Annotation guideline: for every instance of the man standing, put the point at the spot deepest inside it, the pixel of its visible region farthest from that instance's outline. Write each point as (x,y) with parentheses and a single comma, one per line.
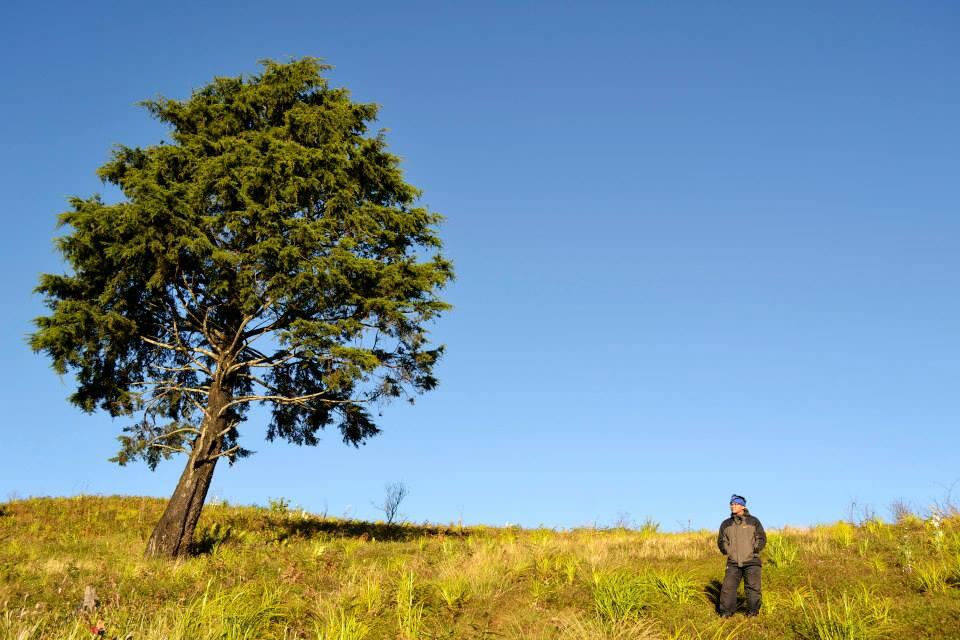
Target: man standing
(741,538)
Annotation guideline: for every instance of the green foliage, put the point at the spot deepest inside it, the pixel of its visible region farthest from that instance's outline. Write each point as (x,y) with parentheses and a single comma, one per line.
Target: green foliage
(269,251)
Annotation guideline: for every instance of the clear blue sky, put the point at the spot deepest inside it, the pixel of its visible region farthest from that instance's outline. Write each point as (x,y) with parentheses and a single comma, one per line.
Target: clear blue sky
(702,248)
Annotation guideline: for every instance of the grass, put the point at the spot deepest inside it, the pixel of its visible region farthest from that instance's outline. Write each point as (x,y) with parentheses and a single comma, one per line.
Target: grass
(278,573)
(859,616)
(781,550)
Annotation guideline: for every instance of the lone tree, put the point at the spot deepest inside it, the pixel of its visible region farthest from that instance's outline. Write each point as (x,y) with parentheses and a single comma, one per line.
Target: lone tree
(270,252)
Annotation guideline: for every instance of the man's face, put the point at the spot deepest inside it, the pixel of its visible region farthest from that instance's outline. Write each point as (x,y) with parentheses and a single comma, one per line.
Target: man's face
(736,508)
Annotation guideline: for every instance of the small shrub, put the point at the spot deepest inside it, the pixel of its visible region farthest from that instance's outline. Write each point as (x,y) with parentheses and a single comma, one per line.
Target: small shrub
(394,494)
(649,527)
(278,506)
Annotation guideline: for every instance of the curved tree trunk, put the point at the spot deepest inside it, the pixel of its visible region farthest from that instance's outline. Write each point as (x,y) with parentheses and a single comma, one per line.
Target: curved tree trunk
(174,533)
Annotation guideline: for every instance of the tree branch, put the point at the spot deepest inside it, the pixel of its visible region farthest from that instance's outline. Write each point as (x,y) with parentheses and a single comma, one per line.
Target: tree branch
(226,453)
(188,351)
(157,445)
(286,400)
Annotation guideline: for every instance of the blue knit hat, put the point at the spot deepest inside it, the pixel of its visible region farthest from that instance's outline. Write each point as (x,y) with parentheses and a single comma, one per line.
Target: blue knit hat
(735,499)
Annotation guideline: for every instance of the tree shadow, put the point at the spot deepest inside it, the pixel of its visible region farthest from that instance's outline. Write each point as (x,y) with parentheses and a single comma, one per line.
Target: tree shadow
(282,528)
(367,530)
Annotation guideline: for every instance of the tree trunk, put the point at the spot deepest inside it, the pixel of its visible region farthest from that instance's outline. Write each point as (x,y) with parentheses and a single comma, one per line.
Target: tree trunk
(174,533)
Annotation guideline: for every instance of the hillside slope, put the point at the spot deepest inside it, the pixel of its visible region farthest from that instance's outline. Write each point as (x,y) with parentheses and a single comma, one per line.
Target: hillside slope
(282,573)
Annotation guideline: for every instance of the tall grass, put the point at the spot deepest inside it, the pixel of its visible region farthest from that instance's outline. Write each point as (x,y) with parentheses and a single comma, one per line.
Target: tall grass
(243,613)
(409,610)
(341,625)
(619,596)
(931,577)
(586,628)
(716,630)
(453,590)
(676,586)
(860,615)
(781,551)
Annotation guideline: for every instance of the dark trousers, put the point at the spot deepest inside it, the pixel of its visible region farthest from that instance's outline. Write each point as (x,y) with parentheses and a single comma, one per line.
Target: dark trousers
(751,585)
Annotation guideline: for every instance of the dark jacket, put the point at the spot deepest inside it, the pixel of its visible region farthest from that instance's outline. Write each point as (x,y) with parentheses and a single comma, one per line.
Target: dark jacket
(741,539)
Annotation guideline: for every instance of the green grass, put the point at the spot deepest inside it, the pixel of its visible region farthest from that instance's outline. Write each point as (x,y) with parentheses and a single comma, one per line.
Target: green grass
(859,616)
(277,573)
(781,550)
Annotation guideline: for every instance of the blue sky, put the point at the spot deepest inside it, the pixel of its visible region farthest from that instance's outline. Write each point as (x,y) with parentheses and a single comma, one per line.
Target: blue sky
(701,248)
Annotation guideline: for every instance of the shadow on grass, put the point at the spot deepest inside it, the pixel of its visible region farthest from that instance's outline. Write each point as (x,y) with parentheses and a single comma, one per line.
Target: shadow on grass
(281,528)
(365,530)
(712,591)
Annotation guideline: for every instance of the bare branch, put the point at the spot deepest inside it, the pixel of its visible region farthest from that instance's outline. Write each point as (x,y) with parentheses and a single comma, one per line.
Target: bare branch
(225,431)
(261,360)
(176,431)
(170,385)
(238,334)
(170,347)
(183,369)
(157,445)
(286,400)
(226,453)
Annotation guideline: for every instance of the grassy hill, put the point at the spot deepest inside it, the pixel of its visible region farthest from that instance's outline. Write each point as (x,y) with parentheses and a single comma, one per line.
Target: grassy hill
(282,573)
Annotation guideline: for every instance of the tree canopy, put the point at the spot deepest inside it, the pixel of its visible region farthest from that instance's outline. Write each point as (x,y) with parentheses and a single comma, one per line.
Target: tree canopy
(269,252)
